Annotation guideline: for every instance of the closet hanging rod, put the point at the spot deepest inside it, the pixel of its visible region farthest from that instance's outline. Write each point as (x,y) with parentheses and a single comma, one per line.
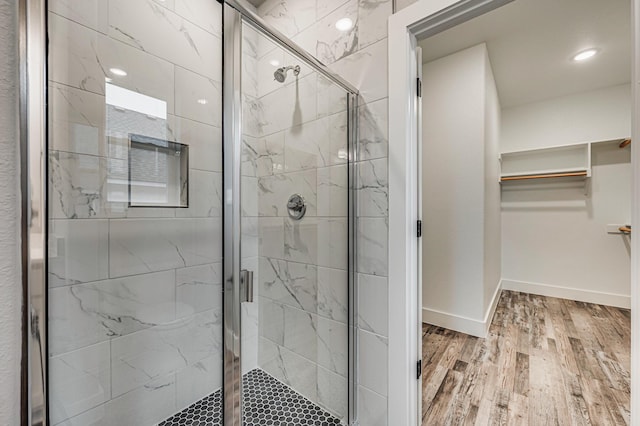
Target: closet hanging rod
(625,143)
(543,176)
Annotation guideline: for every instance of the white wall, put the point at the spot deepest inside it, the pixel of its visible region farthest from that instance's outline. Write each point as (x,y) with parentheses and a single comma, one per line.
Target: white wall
(590,116)
(554,237)
(459,164)
(492,215)
(10,286)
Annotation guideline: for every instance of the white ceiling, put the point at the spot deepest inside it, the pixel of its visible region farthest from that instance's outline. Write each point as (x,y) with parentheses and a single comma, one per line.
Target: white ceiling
(531,44)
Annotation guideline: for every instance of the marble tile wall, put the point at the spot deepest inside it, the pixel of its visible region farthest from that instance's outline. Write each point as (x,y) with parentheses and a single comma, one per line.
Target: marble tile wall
(297,143)
(135,295)
(360,56)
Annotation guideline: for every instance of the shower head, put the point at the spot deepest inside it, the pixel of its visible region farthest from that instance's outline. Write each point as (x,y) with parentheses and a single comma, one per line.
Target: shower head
(281,73)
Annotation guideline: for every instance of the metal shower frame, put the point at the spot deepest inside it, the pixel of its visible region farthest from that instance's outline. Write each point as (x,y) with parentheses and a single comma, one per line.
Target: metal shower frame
(34,185)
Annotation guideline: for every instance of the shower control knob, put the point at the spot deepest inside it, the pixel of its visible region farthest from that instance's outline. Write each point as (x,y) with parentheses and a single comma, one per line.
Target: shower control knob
(296,206)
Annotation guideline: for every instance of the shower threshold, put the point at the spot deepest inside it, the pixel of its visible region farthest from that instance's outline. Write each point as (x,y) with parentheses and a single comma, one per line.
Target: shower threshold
(267,401)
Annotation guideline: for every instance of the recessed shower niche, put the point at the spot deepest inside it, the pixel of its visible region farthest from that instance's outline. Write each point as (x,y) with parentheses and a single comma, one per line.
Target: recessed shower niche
(158,172)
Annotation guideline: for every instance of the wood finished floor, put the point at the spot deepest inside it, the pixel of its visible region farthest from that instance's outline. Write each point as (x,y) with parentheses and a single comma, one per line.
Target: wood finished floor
(545,361)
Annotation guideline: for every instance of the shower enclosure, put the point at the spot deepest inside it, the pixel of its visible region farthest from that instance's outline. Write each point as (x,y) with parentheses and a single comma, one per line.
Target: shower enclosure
(197,257)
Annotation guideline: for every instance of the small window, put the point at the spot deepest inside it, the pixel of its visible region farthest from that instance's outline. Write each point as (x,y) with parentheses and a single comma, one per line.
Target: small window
(158,172)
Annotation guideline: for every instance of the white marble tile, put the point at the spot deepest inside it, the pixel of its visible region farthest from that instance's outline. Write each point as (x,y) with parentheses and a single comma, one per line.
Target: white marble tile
(372,361)
(333,243)
(324,7)
(204,13)
(76,185)
(249,237)
(372,20)
(288,16)
(250,78)
(198,380)
(330,43)
(301,239)
(248,155)
(296,104)
(372,188)
(265,156)
(271,237)
(318,143)
(90,13)
(332,98)
(372,408)
(72,55)
(198,98)
(68,326)
(333,392)
(166,35)
(373,306)
(198,288)
(372,255)
(290,368)
(129,304)
(271,320)
(301,332)
(333,294)
(205,195)
(366,69)
(148,354)
(290,283)
(79,380)
(373,136)
(266,66)
(205,144)
(274,192)
(333,191)
(145,245)
(146,74)
(249,335)
(76,120)
(148,404)
(78,251)
(250,194)
(333,346)
(253,119)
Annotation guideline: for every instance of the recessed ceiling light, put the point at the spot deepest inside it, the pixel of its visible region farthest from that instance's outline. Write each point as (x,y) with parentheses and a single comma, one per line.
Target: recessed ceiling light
(203,101)
(118,72)
(274,62)
(585,54)
(344,24)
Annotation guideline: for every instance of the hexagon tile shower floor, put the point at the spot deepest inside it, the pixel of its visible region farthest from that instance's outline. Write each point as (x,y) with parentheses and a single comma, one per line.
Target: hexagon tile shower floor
(267,401)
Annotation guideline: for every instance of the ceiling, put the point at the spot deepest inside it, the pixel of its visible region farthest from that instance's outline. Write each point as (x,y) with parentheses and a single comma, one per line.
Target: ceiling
(531,44)
(256,3)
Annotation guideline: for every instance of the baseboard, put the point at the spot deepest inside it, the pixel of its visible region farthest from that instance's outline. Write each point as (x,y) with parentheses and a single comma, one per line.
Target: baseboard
(461,323)
(588,296)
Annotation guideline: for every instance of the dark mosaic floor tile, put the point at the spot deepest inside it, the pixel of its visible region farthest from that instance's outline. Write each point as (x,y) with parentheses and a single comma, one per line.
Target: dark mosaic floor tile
(266,402)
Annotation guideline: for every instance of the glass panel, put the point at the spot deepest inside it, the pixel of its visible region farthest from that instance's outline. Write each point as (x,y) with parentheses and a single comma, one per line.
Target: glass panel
(294,235)
(135,324)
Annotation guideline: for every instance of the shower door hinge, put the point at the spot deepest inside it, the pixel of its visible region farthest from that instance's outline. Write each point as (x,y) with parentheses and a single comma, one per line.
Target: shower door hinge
(419,233)
(419,369)
(419,87)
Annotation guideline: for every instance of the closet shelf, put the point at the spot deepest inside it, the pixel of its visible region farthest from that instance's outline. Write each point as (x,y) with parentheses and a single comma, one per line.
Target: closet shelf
(510,178)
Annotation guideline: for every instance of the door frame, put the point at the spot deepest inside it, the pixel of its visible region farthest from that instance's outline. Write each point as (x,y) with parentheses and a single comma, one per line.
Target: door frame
(422,19)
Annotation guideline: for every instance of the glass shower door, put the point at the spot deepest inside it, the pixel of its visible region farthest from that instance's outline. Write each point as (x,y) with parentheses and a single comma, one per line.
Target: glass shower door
(294,238)
(135,210)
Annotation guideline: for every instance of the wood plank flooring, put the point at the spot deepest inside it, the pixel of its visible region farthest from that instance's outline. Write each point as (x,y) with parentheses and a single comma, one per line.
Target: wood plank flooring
(545,361)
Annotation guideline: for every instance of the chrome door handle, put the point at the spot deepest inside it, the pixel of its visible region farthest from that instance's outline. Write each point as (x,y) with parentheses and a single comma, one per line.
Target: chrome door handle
(246,286)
